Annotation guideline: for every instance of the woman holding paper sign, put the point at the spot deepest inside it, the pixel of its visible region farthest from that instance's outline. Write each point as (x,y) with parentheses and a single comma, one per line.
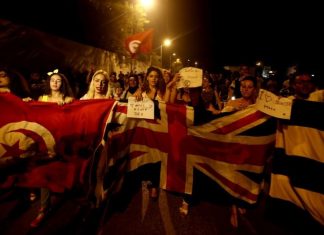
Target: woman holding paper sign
(155,88)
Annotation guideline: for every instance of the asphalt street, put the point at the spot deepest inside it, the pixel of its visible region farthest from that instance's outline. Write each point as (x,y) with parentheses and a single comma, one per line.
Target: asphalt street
(132,211)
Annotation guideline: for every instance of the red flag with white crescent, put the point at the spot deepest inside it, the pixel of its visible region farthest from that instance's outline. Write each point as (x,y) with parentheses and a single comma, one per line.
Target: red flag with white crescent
(140,42)
(66,136)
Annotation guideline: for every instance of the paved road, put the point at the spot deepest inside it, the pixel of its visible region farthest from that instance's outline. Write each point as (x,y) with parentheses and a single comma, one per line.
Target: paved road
(136,213)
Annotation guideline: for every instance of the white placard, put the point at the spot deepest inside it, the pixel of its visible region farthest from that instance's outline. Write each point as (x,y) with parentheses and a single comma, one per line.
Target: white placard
(273,105)
(140,109)
(190,77)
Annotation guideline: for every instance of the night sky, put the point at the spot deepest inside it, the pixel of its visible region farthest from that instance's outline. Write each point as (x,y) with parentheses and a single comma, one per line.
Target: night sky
(245,32)
(214,33)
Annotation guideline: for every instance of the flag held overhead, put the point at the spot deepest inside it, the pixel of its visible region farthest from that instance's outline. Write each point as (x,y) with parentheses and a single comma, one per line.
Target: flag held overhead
(140,43)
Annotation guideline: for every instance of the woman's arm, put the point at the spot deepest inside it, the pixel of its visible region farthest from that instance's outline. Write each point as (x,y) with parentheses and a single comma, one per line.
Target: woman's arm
(171,89)
(218,99)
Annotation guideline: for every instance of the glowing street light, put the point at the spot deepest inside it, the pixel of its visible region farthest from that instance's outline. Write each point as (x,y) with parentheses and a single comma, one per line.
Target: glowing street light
(147,4)
(139,7)
(167,42)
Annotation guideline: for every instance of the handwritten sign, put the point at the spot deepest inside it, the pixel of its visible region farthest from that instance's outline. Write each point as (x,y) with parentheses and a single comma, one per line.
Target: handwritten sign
(190,77)
(140,109)
(273,105)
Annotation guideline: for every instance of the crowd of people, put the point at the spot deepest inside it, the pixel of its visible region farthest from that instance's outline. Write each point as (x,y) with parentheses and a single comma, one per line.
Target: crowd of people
(216,90)
(220,92)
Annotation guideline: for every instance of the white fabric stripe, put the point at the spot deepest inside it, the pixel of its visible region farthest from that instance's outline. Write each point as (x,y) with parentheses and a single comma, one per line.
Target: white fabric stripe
(301,141)
(151,155)
(313,202)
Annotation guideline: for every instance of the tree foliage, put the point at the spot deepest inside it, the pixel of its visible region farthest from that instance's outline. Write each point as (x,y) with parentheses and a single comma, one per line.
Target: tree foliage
(114,21)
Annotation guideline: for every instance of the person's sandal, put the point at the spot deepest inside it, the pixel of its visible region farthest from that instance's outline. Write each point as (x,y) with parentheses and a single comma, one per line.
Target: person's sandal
(39,219)
(154,194)
(32,196)
(234,216)
(184,209)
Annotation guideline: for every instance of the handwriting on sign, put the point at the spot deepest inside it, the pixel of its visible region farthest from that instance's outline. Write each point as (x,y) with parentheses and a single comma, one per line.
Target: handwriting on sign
(190,77)
(273,105)
(269,107)
(140,109)
(189,69)
(268,97)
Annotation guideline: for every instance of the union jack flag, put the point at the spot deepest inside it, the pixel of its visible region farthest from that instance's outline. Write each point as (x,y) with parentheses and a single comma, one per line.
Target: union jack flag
(229,149)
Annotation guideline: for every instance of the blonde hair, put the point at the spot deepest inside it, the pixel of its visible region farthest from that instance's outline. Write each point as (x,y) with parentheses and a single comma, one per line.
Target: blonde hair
(91,91)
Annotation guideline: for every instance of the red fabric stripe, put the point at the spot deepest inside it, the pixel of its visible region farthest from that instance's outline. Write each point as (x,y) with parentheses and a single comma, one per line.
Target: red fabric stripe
(235,153)
(239,123)
(121,109)
(176,170)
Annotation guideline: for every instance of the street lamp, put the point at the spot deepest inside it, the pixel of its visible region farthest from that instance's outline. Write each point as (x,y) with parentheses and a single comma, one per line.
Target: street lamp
(147,4)
(167,42)
(137,11)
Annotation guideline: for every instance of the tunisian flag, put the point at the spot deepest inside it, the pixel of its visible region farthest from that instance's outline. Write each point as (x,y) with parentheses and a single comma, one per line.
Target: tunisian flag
(46,145)
(139,42)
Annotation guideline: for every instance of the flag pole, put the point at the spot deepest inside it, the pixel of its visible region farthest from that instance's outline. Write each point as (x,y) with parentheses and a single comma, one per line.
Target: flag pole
(161,53)
(131,65)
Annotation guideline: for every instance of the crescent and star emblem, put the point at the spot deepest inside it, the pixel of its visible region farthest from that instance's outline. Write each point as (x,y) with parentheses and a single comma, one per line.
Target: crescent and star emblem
(25,139)
(134,45)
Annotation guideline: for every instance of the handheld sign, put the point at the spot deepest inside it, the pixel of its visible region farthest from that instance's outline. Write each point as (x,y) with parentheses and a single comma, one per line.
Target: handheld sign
(190,77)
(140,109)
(273,105)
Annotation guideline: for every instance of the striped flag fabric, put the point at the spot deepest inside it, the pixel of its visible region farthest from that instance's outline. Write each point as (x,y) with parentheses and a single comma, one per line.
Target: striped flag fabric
(298,164)
(231,150)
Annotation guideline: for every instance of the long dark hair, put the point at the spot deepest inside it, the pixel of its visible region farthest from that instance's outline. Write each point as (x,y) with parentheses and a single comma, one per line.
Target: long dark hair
(17,83)
(65,88)
(161,86)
